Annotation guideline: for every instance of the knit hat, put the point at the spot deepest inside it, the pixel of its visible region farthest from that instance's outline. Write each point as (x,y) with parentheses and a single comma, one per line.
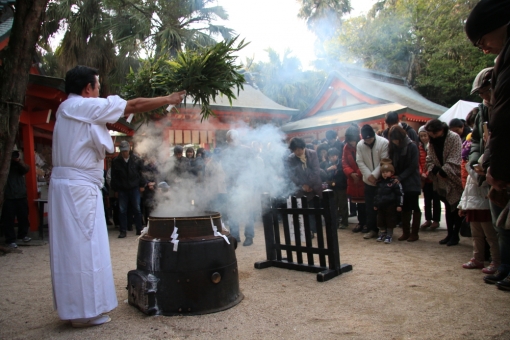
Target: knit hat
(487,16)
(352,134)
(124,146)
(421,129)
(386,165)
(178,149)
(367,131)
(483,78)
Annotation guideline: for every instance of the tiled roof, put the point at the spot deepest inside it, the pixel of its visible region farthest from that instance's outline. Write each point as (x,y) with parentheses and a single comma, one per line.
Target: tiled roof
(5,28)
(356,113)
(249,98)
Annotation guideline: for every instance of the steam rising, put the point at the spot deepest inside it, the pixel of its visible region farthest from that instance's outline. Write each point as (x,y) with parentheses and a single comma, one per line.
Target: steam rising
(253,164)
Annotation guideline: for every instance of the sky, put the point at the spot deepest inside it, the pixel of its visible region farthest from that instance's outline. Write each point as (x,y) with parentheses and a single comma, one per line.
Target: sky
(274,23)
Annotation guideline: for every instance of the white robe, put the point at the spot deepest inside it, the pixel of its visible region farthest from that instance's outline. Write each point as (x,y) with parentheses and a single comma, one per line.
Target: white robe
(81,269)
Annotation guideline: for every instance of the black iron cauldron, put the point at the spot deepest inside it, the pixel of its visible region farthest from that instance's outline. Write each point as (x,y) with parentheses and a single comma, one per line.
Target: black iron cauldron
(197,276)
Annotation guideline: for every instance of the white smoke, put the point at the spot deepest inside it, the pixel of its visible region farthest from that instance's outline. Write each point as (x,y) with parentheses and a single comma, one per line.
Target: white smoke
(243,171)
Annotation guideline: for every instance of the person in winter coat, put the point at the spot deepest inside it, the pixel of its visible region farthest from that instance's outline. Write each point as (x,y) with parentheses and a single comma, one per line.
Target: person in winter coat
(355,185)
(480,136)
(487,27)
(304,172)
(15,205)
(369,152)
(475,206)
(392,119)
(338,183)
(388,200)
(443,165)
(405,158)
(430,197)
(128,182)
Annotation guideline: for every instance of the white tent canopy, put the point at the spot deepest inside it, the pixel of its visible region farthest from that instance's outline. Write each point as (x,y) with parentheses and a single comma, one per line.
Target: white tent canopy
(459,110)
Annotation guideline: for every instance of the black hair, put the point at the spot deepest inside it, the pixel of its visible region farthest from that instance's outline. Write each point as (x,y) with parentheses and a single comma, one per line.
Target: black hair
(333,152)
(435,125)
(331,134)
(310,146)
(79,77)
(396,133)
(322,149)
(192,150)
(297,143)
(201,152)
(470,119)
(391,118)
(456,122)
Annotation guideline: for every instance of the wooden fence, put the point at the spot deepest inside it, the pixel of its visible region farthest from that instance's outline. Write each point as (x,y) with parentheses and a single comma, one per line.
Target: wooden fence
(327,249)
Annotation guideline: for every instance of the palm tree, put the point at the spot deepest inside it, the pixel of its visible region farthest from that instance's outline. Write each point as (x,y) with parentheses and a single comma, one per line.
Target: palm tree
(283,80)
(323,16)
(110,35)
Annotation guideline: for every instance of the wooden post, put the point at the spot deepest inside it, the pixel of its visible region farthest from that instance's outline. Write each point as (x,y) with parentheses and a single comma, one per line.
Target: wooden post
(30,178)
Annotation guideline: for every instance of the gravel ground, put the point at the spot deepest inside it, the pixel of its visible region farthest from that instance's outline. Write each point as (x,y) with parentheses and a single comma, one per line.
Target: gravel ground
(399,291)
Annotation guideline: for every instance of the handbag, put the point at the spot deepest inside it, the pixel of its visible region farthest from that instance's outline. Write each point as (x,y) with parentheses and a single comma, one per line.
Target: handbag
(465,228)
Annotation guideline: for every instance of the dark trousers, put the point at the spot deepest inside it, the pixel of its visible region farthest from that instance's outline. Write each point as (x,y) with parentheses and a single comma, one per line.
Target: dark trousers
(453,220)
(352,208)
(386,217)
(131,198)
(432,203)
(15,209)
(341,206)
(362,213)
(370,192)
(503,240)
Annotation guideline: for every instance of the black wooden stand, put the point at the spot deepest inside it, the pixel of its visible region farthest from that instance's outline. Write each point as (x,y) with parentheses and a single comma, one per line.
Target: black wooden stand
(326,246)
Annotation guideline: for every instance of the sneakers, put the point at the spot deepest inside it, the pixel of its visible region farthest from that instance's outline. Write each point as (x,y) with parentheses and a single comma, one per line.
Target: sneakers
(357,229)
(341,226)
(12,245)
(491,269)
(388,239)
(381,237)
(425,225)
(494,278)
(248,242)
(473,264)
(26,239)
(370,234)
(98,320)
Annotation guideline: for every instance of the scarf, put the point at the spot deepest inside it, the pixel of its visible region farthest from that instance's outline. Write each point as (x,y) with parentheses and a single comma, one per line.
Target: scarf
(303,160)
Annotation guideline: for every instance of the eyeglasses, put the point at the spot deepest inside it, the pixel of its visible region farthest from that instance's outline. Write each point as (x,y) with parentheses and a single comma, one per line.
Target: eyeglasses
(478,43)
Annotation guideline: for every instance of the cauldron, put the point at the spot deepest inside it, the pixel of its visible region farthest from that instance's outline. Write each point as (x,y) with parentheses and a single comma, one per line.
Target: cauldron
(196,275)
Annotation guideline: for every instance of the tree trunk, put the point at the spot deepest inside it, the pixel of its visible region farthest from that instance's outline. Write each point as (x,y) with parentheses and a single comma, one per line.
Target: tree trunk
(16,63)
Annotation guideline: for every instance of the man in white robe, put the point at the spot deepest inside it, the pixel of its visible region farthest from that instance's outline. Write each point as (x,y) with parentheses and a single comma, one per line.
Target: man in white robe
(81,270)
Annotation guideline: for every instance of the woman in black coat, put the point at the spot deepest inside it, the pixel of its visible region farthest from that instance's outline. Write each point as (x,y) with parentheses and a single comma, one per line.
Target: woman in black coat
(405,157)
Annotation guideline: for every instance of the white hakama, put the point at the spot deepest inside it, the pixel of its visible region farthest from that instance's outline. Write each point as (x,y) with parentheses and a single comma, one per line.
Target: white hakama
(81,269)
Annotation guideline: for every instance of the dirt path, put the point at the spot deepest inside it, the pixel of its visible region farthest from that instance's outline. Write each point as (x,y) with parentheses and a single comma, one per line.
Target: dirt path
(399,291)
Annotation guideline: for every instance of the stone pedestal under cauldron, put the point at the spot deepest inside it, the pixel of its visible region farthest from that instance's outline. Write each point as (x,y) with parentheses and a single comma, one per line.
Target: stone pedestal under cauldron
(185,266)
